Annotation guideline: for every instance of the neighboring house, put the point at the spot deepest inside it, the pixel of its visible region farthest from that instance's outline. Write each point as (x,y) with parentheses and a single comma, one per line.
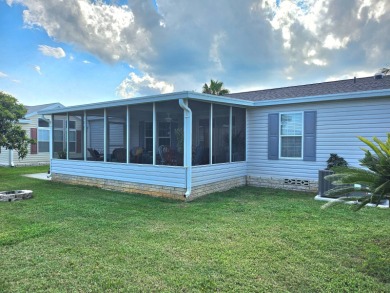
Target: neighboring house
(187,144)
(37,126)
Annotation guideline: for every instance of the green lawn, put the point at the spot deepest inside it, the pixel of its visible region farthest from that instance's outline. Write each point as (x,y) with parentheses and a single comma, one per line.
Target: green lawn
(71,238)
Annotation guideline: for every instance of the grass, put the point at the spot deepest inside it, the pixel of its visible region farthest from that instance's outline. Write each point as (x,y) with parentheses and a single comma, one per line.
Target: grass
(73,238)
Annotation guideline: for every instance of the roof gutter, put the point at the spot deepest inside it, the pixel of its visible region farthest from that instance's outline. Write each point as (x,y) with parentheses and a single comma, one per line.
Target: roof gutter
(187,144)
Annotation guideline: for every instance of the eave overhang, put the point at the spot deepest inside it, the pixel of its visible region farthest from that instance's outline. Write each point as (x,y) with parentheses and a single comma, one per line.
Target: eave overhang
(221,100)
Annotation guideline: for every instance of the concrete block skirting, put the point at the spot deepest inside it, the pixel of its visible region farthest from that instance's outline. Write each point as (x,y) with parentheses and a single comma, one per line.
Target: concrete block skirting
(150,189)
(219,186)
(197,191)
(130,187)
(285,183)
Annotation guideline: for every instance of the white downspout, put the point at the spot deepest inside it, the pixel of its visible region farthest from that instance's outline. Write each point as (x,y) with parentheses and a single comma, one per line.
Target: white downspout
(187,144)
(11,158)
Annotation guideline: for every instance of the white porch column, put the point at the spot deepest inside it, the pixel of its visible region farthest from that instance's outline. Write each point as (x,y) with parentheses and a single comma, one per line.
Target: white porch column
(85,135)
(154,133)
(105,135)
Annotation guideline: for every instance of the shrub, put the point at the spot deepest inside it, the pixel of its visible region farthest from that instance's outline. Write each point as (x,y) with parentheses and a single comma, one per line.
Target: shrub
(335,161)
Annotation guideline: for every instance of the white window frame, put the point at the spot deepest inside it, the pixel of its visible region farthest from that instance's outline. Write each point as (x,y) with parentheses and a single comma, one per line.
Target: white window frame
(280,135)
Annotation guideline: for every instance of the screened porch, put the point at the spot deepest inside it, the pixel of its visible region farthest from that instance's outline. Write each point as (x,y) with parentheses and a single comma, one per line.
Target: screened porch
(152,134)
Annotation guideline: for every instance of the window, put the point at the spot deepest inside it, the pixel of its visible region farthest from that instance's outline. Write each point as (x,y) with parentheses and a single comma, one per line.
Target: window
(291,133)
(43,122)
(43,140)
(43,135)
(164,133)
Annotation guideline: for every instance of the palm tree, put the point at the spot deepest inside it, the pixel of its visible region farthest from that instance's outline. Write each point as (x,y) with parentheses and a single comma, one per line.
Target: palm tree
(215,88)
(385,70)
(373,181)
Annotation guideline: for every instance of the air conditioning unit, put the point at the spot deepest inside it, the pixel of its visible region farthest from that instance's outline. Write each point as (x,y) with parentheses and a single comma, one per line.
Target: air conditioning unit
(323,184)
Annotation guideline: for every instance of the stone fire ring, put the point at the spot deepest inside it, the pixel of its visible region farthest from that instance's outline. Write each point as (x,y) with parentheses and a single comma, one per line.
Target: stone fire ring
(15,195)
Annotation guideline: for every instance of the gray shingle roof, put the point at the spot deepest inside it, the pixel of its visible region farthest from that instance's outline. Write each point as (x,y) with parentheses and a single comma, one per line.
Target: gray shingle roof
(33,109)
(316,89)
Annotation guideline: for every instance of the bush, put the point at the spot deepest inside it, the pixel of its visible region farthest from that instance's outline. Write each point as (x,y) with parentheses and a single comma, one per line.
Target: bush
(336,161)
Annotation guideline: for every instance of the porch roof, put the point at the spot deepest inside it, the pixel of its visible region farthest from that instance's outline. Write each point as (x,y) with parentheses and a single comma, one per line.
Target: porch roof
(359,88)
(151,99)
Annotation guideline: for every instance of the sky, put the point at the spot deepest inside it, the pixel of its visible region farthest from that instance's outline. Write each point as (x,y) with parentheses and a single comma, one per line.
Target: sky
(82,51)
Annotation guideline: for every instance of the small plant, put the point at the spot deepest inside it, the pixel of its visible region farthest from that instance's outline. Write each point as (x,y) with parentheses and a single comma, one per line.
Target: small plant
(335,161)
(61,154)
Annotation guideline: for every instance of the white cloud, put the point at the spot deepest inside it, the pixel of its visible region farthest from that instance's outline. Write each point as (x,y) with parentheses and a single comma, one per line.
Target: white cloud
(51,51)
(38,69)
(86,62)
(316,61)
(3,75)
(135,85)
(214,55)
(247,43)
(373,9)
(347,75)
(335,43)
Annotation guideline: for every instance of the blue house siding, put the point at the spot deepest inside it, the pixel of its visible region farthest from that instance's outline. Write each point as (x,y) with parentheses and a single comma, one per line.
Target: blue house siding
(131,173)
(207,174)
(338,125)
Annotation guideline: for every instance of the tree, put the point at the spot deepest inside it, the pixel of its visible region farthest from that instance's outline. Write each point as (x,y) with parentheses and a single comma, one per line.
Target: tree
(373,181)
(215,88)
(12,136)
(385,70)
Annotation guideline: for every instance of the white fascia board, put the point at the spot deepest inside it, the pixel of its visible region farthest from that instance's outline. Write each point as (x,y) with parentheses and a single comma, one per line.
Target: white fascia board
(24,121)
(219,99)
(117,103)
(151,99)
(324,98)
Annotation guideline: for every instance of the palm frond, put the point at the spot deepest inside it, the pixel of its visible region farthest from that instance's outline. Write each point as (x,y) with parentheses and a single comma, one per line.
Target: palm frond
(372,146)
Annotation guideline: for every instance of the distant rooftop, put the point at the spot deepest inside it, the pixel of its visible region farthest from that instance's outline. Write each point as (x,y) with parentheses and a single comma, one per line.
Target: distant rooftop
(36,108)
(316,89)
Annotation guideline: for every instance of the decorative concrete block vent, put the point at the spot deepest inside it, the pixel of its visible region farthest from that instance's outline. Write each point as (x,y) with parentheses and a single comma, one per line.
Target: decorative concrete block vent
(15,195)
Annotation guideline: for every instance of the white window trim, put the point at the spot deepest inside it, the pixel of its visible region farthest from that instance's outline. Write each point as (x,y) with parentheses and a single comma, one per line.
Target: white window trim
(280,135)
